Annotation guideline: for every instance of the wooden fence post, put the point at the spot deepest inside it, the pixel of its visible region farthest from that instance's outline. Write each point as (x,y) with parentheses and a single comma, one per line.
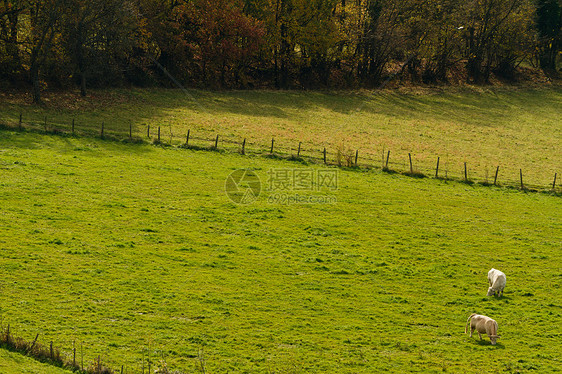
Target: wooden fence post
(299,151)
(554,183)
(465,173)
(51,351)
(496,177)
(73,126)
(187,138)
(272,141)
(73,354)
(521,177)
(30,349)
(148,131)
(324,155)
(20,126)
(158,134)
(130,131)
(217,142)
(437,169)
(244,147)
(411,166)
(102,126)
(356,156)
(387,157)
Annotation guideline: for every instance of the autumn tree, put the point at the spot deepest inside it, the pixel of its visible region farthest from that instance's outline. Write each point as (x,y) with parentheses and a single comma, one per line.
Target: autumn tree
(218,37)
(264,43)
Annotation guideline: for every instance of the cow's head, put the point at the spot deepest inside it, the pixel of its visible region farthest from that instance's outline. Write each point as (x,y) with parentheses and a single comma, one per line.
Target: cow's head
(491,292)
(493,338)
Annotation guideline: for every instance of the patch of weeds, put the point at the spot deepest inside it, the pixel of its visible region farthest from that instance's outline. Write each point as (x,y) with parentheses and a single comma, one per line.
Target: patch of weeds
(160,143)
(414,174)
(297,159)
(195,147)
(389,170)
(344,156)
(109,138)
(133,140)
(274,156)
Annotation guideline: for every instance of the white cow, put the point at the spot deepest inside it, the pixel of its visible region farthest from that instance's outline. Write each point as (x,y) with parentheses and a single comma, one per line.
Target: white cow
(483,325)
(496,282)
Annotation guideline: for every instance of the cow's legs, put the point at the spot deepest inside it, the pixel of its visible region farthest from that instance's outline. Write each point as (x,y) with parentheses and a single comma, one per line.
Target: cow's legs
(480,336)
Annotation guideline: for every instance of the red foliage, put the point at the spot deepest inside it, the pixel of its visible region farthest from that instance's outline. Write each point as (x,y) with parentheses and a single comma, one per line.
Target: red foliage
(219,39)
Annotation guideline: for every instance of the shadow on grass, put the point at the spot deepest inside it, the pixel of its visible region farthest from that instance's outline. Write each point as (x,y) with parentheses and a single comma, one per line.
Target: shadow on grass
(485,342)
(23,140)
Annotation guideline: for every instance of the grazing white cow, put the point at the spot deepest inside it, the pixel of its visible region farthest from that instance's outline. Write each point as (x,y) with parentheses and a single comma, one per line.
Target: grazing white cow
(483,325)
(496,282)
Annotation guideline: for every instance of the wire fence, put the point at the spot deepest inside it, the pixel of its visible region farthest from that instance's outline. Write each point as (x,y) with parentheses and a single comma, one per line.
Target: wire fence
(385,159)
(80,359)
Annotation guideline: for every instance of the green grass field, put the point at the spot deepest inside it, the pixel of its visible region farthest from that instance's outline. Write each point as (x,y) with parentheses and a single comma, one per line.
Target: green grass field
(18,364)
(514,128)
(136,250)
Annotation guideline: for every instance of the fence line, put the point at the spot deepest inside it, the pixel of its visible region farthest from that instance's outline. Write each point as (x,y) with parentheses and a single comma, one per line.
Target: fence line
(74,360)
(321,154)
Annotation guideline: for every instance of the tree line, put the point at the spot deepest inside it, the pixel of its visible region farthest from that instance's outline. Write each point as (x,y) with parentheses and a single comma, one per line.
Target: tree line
(272,43)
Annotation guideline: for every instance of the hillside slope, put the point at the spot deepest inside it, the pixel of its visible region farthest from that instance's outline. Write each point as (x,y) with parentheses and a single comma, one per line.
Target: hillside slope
(513,128)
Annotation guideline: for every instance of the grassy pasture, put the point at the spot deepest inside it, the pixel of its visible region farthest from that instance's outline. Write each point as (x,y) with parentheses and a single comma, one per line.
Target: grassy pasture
(14,363)
(507,127)
(135,248)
